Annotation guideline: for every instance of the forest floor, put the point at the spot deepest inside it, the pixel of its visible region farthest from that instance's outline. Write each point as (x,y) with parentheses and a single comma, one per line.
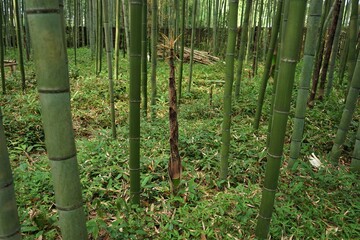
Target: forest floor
(310,203)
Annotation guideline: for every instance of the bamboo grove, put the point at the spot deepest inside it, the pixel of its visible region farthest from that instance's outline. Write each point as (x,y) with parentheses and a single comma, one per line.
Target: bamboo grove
(262,40)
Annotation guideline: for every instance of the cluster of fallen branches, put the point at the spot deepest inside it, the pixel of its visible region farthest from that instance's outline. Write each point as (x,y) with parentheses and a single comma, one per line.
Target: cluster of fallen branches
(202,57)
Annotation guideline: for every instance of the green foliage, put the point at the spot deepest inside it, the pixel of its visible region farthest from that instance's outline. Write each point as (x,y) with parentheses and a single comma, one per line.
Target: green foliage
(318,204)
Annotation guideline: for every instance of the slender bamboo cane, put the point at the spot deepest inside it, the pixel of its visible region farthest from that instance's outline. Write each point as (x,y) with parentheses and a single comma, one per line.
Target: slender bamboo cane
(19,43)
(76,30)
(135,85)
(311,43)
(154,39)
(257,40)
(126,24)
(182,45)
(105,6)
(334,51)
(289,57)
(229,78)
(9,220)
(193,28)
(215,26)
(319,55)
(355,161)
(353,39)
(328,48)
(117,37)
(269,58)
(53,86)
(343,57)
(350,105)
(2,46)
(283,22)
(243,41)
(144,58)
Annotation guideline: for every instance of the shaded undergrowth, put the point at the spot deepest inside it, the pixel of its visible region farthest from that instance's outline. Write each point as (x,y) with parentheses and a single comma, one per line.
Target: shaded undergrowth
(311,203)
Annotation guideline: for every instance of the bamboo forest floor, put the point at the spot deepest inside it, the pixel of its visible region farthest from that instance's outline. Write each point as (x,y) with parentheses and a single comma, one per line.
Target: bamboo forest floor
(310,203)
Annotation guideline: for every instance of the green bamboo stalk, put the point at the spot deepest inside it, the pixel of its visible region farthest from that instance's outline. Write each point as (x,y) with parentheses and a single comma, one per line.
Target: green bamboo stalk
(76,29)
(343,57)
(353,37)
(154,39)
(182,45)
(53,86)
(215,27)
(135,84)
(350,105)
(117,37)
(105,7)
(243,41)
(257,40)
(2,46)
(193,28)
(334,51)
(311,44)
(99,41)
(328,48)
(19,43)
(355,161)
(9,220)
(126,24)
(268,63)
(250,46)
(289,57)
(283,22)
(229,78)
(319,54)
(144,58)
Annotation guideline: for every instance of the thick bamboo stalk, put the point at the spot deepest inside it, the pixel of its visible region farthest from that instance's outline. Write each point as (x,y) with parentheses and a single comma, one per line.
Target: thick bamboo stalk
(193,25)
(9,220)
(350,105)
(268,63)
(19,43)
(328,48)
(53,86)
(289,57)
(117,37)
(311,43)
(244,36)
(334,51)
(2,46)
(154,39)
(105,6)
(353,39)
(144,58)
(135,85)
(182,45)
(355,161)
(229,78)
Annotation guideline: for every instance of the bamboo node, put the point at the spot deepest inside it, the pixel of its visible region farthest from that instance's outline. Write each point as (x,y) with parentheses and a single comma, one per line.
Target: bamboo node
(42,10)
(62,158)
(69,208)
(269,190)
(274,156)
(5,185)
(288,60)
(266,218)
(134,169)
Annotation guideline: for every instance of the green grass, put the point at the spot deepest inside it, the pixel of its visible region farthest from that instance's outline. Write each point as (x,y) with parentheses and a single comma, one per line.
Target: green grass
(310,204)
